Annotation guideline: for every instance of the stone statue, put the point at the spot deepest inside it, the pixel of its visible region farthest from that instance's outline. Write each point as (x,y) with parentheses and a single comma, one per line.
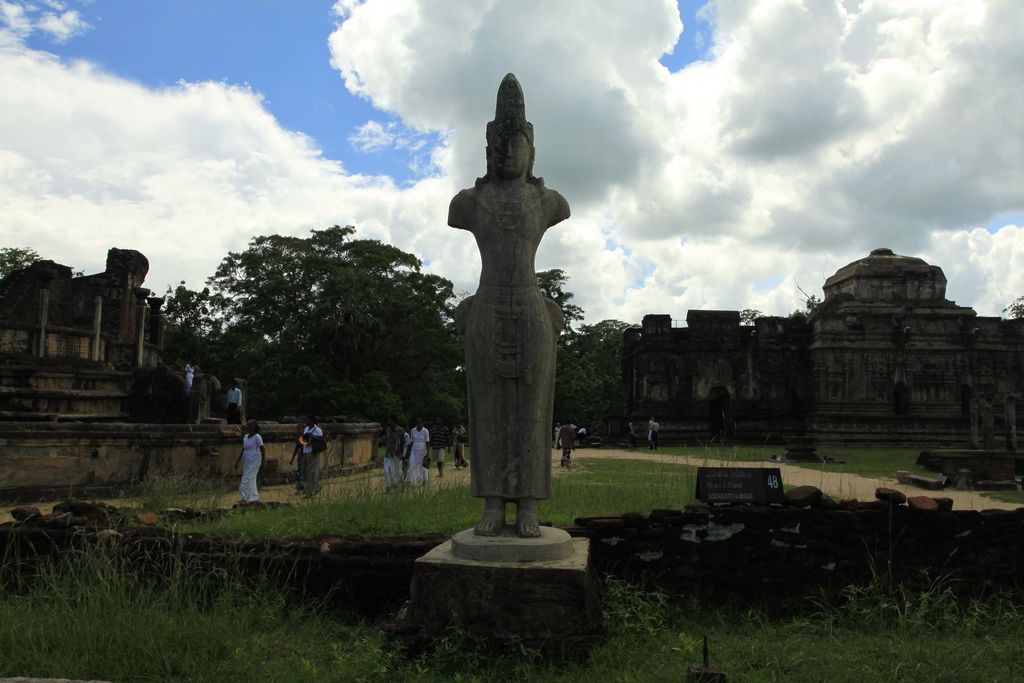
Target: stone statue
(509,328)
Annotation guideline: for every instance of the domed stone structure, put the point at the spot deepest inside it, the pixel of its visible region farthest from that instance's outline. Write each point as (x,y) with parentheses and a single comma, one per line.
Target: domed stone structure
(886,358)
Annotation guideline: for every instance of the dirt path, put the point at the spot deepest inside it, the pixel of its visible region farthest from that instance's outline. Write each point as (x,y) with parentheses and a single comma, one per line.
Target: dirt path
(839,485)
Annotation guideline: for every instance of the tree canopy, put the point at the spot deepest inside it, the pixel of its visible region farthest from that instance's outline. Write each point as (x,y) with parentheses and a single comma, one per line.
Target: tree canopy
(16,258)
(326,324)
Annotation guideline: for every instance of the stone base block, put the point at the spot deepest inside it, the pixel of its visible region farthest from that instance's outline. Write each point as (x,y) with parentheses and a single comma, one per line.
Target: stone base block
(531,601)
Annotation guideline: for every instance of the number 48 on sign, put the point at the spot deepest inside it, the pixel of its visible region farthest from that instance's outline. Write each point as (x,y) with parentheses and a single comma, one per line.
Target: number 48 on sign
(739,485)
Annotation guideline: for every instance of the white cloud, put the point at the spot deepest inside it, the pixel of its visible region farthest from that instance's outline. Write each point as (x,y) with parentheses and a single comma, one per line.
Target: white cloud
(814,131)
(62,26)
(20,18)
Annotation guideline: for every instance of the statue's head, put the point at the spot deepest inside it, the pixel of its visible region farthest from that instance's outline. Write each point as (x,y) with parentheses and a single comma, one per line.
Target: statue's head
(510,149)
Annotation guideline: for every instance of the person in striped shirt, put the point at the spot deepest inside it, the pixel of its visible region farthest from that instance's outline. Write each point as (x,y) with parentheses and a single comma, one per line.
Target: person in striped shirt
(440,441)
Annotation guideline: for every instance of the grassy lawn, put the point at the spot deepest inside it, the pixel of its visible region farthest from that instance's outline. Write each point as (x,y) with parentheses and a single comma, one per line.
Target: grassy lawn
(91,618)
(866,462)
(362,508)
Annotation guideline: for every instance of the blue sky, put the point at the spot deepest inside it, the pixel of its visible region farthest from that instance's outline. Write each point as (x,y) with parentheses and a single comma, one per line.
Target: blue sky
(277,47)
(726,167)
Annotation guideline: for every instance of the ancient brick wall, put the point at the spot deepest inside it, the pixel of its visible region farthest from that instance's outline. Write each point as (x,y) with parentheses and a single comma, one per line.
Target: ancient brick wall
(47,460)
(738,554)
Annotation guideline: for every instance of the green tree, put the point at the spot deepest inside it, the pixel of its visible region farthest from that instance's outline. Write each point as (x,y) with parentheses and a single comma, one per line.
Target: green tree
(589,381)
(16,258)
(553,284)
(748,315)
(1016,308)
(326,324)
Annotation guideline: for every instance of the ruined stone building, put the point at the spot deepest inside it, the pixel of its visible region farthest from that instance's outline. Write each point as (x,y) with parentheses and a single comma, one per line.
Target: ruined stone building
(85,347)
(884,359)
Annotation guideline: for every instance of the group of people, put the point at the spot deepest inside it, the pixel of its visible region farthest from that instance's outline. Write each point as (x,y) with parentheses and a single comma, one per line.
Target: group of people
(652,434)
(308,446)
(408,454)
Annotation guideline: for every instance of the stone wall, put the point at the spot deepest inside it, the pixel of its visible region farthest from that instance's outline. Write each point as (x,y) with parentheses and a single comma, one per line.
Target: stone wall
(736,554)
(50,460)
(762,553)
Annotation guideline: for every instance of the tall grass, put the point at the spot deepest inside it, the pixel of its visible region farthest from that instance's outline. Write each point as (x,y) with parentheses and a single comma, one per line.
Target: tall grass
(93,615)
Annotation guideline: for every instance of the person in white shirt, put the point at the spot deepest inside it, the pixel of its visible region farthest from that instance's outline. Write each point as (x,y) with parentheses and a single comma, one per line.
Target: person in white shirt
(234,399)
(252,456)
(190,373)
(417,441)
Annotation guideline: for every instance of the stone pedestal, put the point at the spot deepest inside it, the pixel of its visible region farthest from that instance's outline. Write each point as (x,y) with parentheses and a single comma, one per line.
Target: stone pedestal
(511,598)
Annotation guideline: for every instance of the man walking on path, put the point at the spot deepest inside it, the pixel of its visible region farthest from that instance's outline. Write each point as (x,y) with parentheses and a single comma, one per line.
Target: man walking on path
(394,439)
(652,434)
(565,437)
(440,441)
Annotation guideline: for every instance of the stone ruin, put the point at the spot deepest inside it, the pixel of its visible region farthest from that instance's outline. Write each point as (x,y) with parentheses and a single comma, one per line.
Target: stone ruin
(87,406)
(88,347)
(885,359)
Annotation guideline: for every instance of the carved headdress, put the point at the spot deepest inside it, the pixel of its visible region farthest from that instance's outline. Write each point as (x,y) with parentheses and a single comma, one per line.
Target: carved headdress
(509,118)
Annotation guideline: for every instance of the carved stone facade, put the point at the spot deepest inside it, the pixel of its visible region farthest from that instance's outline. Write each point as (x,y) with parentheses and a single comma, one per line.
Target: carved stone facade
(74,347)
(884,359)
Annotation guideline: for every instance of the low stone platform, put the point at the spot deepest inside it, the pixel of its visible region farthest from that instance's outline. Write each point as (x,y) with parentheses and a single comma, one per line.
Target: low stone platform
(552,544)
(541,600)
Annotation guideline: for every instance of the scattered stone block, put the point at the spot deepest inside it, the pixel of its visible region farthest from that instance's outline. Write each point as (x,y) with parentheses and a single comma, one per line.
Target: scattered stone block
(923,504)
(890,495)
(149,518)
(945,504)
(803,496)
(25,512)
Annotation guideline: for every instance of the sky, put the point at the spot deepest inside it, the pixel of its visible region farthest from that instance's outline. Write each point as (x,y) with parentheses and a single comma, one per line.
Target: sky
(721,154)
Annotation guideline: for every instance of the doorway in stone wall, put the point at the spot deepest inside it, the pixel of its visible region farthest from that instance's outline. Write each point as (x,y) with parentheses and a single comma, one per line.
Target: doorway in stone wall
(720,413)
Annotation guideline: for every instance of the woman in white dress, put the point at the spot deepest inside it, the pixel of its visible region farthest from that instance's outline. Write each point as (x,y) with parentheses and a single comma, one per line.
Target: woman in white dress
(252,456)
(417,440)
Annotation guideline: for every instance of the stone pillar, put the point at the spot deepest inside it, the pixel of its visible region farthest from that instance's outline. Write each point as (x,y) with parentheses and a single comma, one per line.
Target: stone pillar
(1010,420)
(97,327)
(140,324)
(988,429)
(156,321)
(45,278)
(975,431)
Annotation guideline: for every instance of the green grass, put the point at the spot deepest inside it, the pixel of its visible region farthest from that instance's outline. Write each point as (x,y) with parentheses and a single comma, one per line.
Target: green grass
(362,508)
(865,462)
(91,617)
(1007,496)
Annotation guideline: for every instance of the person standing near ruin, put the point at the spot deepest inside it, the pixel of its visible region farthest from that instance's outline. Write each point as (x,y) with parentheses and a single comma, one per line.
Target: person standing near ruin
(234,400)
(440,441)
(565,437)
(394,440)
(652,434)
(313,445)
(252,456)
(460,437)
(416,442)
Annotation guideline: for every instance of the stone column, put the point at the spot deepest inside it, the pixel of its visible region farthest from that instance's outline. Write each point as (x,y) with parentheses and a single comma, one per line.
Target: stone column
(156,321)
(988,430)
(1010,420)
(45,278)
(97,327)
(140,324)
(975,431)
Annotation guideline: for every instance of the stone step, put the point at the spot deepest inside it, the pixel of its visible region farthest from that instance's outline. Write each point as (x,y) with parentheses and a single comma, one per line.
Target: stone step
(33,416)
(53,392)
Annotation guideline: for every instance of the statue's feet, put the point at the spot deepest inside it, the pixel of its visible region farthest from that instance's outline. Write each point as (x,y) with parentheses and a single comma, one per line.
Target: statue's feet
(493,519)
(527,521)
